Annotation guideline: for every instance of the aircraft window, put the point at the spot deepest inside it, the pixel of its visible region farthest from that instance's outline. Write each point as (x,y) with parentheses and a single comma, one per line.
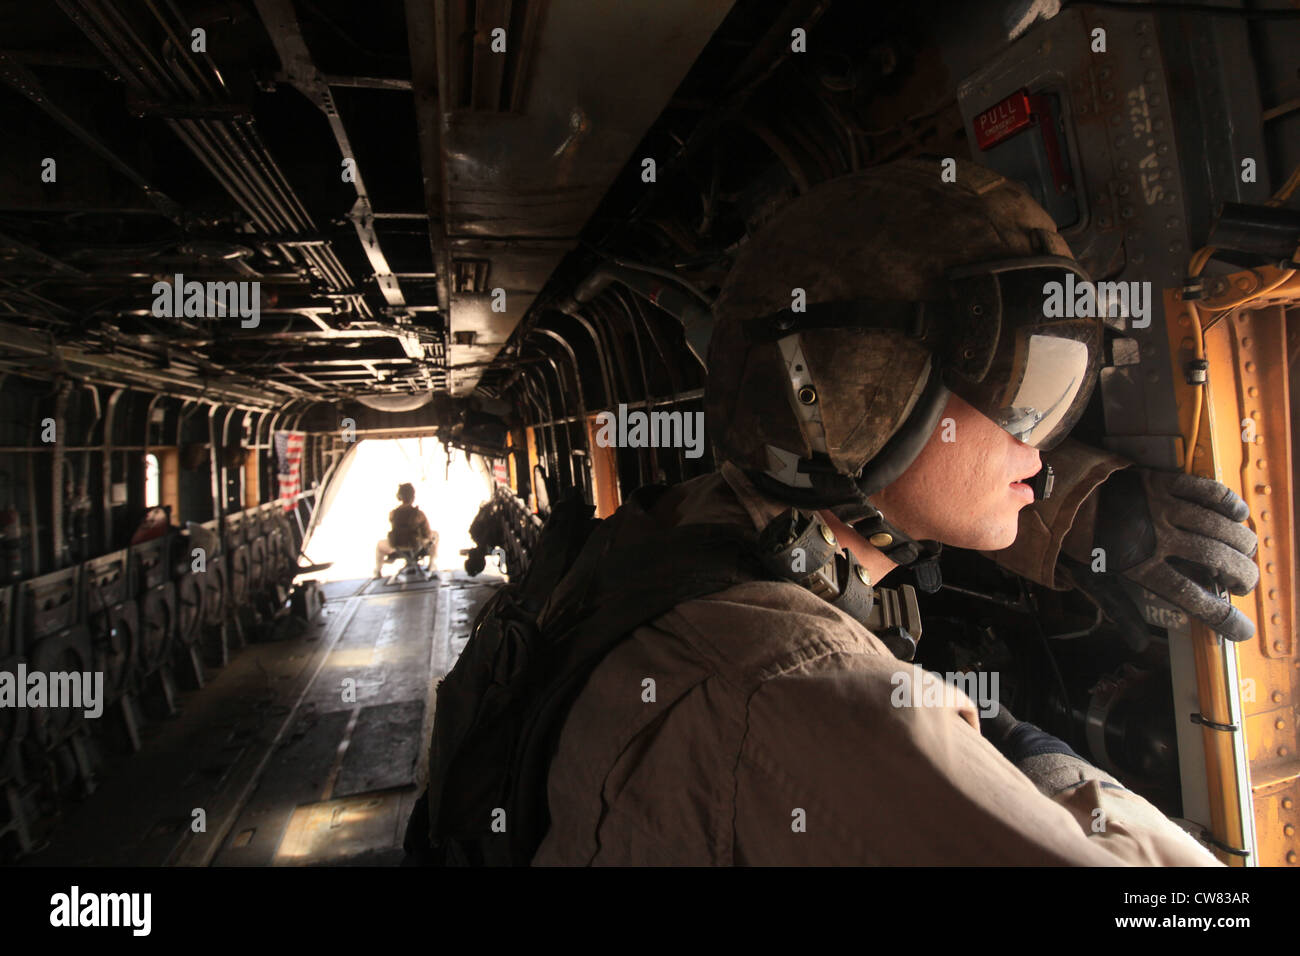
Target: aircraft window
(151,473)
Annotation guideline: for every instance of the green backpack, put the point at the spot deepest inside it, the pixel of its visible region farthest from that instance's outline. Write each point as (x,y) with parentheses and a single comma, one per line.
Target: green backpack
(532,647)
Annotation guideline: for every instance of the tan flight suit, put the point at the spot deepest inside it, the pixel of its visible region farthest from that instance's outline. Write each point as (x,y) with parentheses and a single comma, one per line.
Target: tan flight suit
(410,531)
(410,528)
(773,736)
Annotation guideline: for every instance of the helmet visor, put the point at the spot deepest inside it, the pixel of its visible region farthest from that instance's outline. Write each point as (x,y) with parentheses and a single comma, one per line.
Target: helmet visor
(1031,363)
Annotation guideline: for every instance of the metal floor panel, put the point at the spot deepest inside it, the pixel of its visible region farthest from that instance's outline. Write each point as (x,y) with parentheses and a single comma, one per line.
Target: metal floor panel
(365,828)
(341,787)
(384,749)
(375,679)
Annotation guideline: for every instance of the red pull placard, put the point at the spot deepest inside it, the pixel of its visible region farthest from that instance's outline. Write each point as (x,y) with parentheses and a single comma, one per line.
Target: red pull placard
(1000,122)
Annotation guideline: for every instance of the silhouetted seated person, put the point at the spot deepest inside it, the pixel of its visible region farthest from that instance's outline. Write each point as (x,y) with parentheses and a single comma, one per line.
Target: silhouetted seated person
(410,538)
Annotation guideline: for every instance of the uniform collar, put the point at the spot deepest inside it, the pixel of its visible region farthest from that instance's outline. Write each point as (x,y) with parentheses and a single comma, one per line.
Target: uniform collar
(760,508)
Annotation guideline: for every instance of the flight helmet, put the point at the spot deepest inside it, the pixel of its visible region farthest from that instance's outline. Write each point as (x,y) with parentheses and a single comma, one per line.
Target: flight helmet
(851,316)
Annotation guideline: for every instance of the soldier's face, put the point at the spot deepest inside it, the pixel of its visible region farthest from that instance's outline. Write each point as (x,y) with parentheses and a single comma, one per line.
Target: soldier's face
(966,488)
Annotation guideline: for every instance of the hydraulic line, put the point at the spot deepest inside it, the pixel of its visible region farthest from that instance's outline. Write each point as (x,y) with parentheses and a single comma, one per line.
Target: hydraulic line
(1195,266)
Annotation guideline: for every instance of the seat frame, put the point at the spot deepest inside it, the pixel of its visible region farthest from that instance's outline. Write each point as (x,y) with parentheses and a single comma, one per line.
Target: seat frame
(410,558)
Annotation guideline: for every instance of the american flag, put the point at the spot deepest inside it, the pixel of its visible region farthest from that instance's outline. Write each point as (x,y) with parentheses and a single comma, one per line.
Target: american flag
(288,454)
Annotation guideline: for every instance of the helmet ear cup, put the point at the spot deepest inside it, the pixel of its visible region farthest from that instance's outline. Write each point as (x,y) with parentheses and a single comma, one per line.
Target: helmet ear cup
(905,445)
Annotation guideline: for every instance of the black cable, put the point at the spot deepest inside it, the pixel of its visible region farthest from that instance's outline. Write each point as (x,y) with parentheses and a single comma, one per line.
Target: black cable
(1172,7)
(1028,597)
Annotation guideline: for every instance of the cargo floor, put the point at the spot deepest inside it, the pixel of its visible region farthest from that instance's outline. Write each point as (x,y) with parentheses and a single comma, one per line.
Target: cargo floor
(309,751)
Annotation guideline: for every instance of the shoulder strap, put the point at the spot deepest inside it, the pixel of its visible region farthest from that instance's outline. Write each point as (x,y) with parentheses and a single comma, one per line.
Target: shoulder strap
(526,662)
(626,587)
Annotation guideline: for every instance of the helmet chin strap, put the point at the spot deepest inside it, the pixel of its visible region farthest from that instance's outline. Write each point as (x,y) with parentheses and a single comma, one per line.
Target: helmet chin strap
(921,556)
(843,496)
(798,546)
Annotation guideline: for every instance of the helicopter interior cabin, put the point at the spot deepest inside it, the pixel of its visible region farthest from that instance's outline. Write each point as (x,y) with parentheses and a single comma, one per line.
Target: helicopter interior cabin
(263,260)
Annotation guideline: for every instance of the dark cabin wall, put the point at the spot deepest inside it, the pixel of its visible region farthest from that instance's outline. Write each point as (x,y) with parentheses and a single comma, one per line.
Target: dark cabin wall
(83,494)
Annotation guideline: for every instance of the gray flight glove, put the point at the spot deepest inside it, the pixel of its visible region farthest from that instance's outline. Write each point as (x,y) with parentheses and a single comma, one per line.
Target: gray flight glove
(1049,762)
(1018,740)
(1180,537)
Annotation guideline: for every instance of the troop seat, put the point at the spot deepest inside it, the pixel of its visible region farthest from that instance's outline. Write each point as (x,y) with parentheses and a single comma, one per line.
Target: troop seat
(151,562)
(158,617)
(238,559)
(257,565)
(266,517)
(112,620)
(13,720)
(68,651)
(48,604)
(255,536)
(188,608)
(54,641)
(8,642)
(155,594)
(216,604)
(104,581)
(281,553)
(251,523)
(15,837)
(410,558)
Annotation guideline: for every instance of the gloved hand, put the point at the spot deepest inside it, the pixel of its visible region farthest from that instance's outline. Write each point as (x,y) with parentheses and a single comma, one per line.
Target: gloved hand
(1178,536)
(1018,740)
